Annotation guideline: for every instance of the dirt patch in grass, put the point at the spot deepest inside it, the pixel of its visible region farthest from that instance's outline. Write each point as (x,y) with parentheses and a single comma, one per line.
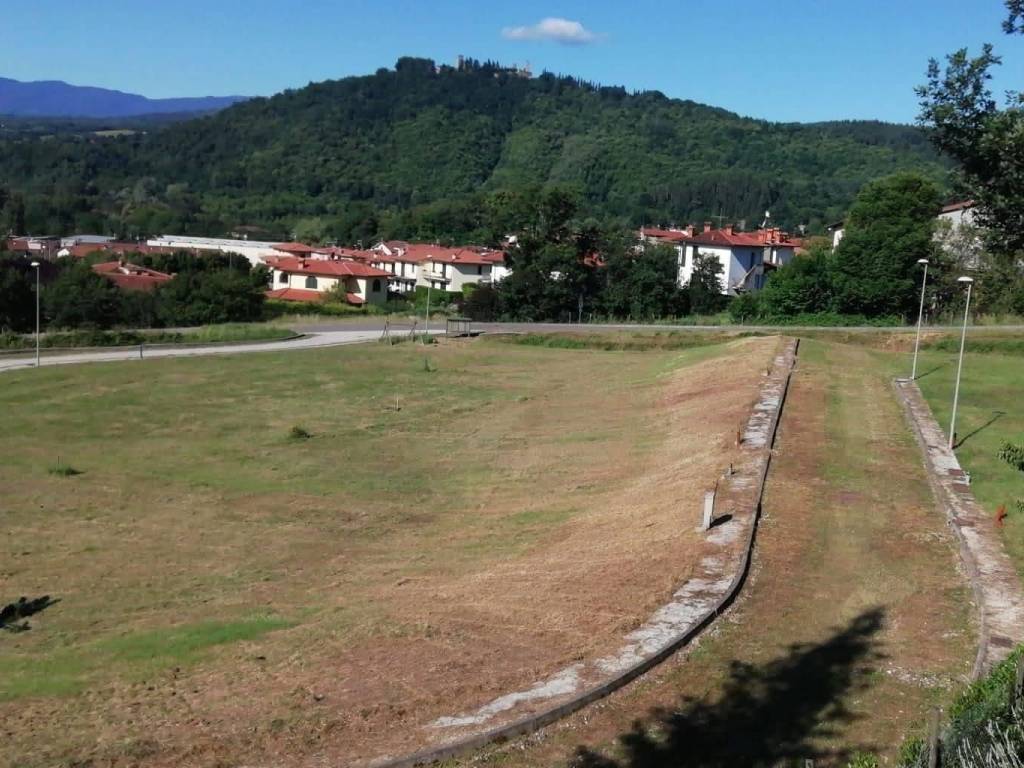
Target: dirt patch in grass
(855,621)
(230,594)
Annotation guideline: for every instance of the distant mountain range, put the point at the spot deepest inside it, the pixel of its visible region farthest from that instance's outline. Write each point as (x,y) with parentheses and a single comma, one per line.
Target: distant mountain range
(55,98)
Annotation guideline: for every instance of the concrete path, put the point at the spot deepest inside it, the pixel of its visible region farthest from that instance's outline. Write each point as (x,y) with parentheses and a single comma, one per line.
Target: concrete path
(994,578)
(312,341)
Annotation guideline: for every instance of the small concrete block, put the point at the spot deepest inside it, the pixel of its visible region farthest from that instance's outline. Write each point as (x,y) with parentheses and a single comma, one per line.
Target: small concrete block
(709,510)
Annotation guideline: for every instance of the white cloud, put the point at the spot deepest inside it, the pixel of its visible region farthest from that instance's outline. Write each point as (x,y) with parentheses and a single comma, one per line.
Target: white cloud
(562,31)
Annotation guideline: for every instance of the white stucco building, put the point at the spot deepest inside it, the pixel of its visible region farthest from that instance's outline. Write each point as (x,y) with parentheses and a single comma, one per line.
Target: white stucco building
(959,214)
(837,231)
(746,257)
(301,279)
(444,269)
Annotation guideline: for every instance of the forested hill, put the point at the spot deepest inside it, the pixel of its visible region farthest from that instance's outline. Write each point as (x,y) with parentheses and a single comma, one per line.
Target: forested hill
(420,151)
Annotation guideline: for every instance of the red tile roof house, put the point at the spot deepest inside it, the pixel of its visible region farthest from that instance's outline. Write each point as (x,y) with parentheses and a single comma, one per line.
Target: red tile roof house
(401,264)
(441,268)
(299,279)
(129,277)
(746,257)
(112,249)
(958,214)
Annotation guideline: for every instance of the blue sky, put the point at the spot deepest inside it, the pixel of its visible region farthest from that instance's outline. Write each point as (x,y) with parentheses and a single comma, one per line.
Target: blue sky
(782,60)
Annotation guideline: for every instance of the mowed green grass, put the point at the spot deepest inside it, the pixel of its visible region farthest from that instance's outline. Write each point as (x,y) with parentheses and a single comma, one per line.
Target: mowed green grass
(198,524)
(991,412)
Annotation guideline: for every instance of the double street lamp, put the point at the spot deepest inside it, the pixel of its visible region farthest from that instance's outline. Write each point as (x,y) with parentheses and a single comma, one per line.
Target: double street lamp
(960,365)
(36,265)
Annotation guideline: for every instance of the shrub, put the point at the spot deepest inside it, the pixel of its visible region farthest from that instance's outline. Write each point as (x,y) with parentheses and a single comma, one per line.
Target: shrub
(299,433)
(274,308)
(481,304)
(745,307)
(862,760)
(1013,455)
(63,470)
(985,727)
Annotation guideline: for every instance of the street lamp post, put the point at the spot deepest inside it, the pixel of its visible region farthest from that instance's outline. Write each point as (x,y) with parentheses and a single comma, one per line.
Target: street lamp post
(920,315)
(426,334)
(960,365)
(36,265)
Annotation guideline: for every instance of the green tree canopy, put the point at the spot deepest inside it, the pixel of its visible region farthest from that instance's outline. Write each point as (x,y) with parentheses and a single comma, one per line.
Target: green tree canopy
(704,287)
(964,121)
(804,286)
(890,226)
(418,152)
(79,298)
(642,284)
(17,297)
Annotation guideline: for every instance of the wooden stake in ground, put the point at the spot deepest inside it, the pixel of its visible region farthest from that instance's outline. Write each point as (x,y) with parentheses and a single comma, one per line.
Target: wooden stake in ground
(933,740)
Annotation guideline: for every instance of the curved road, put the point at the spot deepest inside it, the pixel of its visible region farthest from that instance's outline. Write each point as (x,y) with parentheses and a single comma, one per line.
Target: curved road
(335,333)
(319,339)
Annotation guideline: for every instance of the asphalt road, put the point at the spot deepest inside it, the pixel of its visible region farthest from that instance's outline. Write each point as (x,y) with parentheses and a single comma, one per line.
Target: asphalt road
(438,325)
(332,334)
(331,338)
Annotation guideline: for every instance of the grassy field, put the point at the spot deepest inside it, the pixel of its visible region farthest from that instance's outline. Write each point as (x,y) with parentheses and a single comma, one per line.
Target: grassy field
(221,533)
(991,413)
(854,623)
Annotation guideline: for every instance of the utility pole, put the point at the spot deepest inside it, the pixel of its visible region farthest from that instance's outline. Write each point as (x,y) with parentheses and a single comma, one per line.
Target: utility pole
(36,265)
(426,333)
(920,314)
(960,365)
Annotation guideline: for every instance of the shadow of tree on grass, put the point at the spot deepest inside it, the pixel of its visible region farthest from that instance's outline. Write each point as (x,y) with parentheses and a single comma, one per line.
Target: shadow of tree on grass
(767,714)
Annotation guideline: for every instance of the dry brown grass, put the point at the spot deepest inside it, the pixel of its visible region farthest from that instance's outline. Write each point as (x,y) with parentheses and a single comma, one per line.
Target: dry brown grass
(522,508)
(854,622)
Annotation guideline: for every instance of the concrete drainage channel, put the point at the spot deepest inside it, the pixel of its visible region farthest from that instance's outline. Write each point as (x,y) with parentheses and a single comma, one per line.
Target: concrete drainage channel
(725,561)
(994,580)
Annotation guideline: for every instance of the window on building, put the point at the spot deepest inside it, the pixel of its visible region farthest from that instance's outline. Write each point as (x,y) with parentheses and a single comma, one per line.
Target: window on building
(311,282)
(282,277)
(479,269)
(376,286)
